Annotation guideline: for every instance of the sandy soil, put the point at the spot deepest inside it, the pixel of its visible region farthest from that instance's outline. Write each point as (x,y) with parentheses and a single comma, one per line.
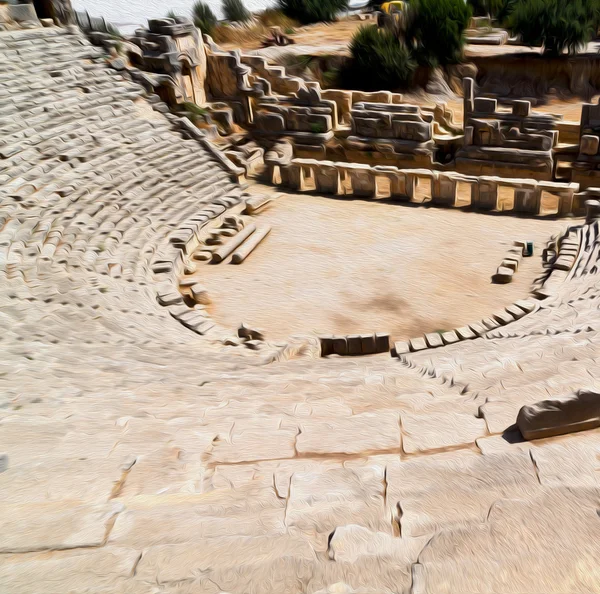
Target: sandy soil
(338,266)
(335,36)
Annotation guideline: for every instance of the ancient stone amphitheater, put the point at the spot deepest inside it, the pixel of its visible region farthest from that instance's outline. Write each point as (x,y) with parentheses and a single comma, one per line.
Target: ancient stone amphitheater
(142,455)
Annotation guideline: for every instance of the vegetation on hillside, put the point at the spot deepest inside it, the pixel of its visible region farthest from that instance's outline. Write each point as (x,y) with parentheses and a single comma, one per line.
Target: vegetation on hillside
(427,32)
(435,30)
(379,61)
(204,18)
(234,10)
(312,11)
(557,25)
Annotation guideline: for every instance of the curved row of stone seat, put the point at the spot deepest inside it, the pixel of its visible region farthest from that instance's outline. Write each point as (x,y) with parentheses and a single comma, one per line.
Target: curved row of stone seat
(424,185)
(94,180)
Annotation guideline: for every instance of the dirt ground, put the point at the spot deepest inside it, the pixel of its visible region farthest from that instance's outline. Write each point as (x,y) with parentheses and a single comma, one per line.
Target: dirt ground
(339,266)
(317,36)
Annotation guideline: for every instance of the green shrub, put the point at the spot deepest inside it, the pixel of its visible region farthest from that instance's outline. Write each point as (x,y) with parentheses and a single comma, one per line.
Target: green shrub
(172,15)
(557,25)
(312,11)
(486,7)
(436,30)
(379,61)
(234,10)
(204,18)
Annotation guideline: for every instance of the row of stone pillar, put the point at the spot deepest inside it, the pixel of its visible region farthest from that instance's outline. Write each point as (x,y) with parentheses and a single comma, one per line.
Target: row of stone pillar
(363,180)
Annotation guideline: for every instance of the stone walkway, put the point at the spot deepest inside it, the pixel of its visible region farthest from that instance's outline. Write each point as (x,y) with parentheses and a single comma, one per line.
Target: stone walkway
(139,457)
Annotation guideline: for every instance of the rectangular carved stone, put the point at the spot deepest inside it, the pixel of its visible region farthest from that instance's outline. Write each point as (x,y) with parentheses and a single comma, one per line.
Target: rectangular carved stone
(556,416)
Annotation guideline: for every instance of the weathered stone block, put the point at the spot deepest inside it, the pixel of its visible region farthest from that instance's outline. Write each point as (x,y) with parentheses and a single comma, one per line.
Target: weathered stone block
(485,105)
(521,108)
(589,144)
(556,416)
(354,344)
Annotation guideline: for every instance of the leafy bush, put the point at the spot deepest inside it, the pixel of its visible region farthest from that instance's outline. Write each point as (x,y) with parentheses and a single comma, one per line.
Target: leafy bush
(557,25)
(379,61)
(436,30)
(312,11)
(234,10)
(486,7)
(204,17)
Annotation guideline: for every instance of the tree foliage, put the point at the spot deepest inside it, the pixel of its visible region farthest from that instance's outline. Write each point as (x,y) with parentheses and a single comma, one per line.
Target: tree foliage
(556,25)
(379,61)
(234,10)
(312,11)
(436,30)
(204,18)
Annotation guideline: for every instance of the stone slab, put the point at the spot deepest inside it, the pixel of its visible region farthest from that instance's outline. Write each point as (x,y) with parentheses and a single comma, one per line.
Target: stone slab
(425,432)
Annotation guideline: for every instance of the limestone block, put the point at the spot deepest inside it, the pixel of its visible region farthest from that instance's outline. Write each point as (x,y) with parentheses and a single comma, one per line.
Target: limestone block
(327,178)
(444,190)
(256,203)
(326,343)
(200,294)
(260,438)
(69,571)
(447,491)
(382,342)
(434,340)
(468,137)
(485,195)
(269,123)
(354,344)
(340,345)
(527,200)
(401,348)
(450,337)
(485,105)
(477,328)
(296,175)
(503,317)
(503,275)
(320,501)
(589,145)
(557,416)
(424,432)
(367,342)
(363,181)
(230,561)
(351,543)
(490,323)
(192,518)
(592,210)
(465,333)
(521,108)
(526,305)
(359,433)
(418,344)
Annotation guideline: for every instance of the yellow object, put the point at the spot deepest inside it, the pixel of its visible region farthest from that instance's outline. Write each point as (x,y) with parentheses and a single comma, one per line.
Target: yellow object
(394,6)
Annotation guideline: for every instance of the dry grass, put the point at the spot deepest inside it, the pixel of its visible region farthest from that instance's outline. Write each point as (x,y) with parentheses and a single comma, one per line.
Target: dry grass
(251,33)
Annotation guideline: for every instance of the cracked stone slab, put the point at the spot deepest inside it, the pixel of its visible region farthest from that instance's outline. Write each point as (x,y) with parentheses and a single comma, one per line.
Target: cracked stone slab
(83,570)
(229,561)
(265,438)
(195,518)
(487,557)
(424,432)
(56,526)
(320,501)
(432,493)
(360,433)
(350,543)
